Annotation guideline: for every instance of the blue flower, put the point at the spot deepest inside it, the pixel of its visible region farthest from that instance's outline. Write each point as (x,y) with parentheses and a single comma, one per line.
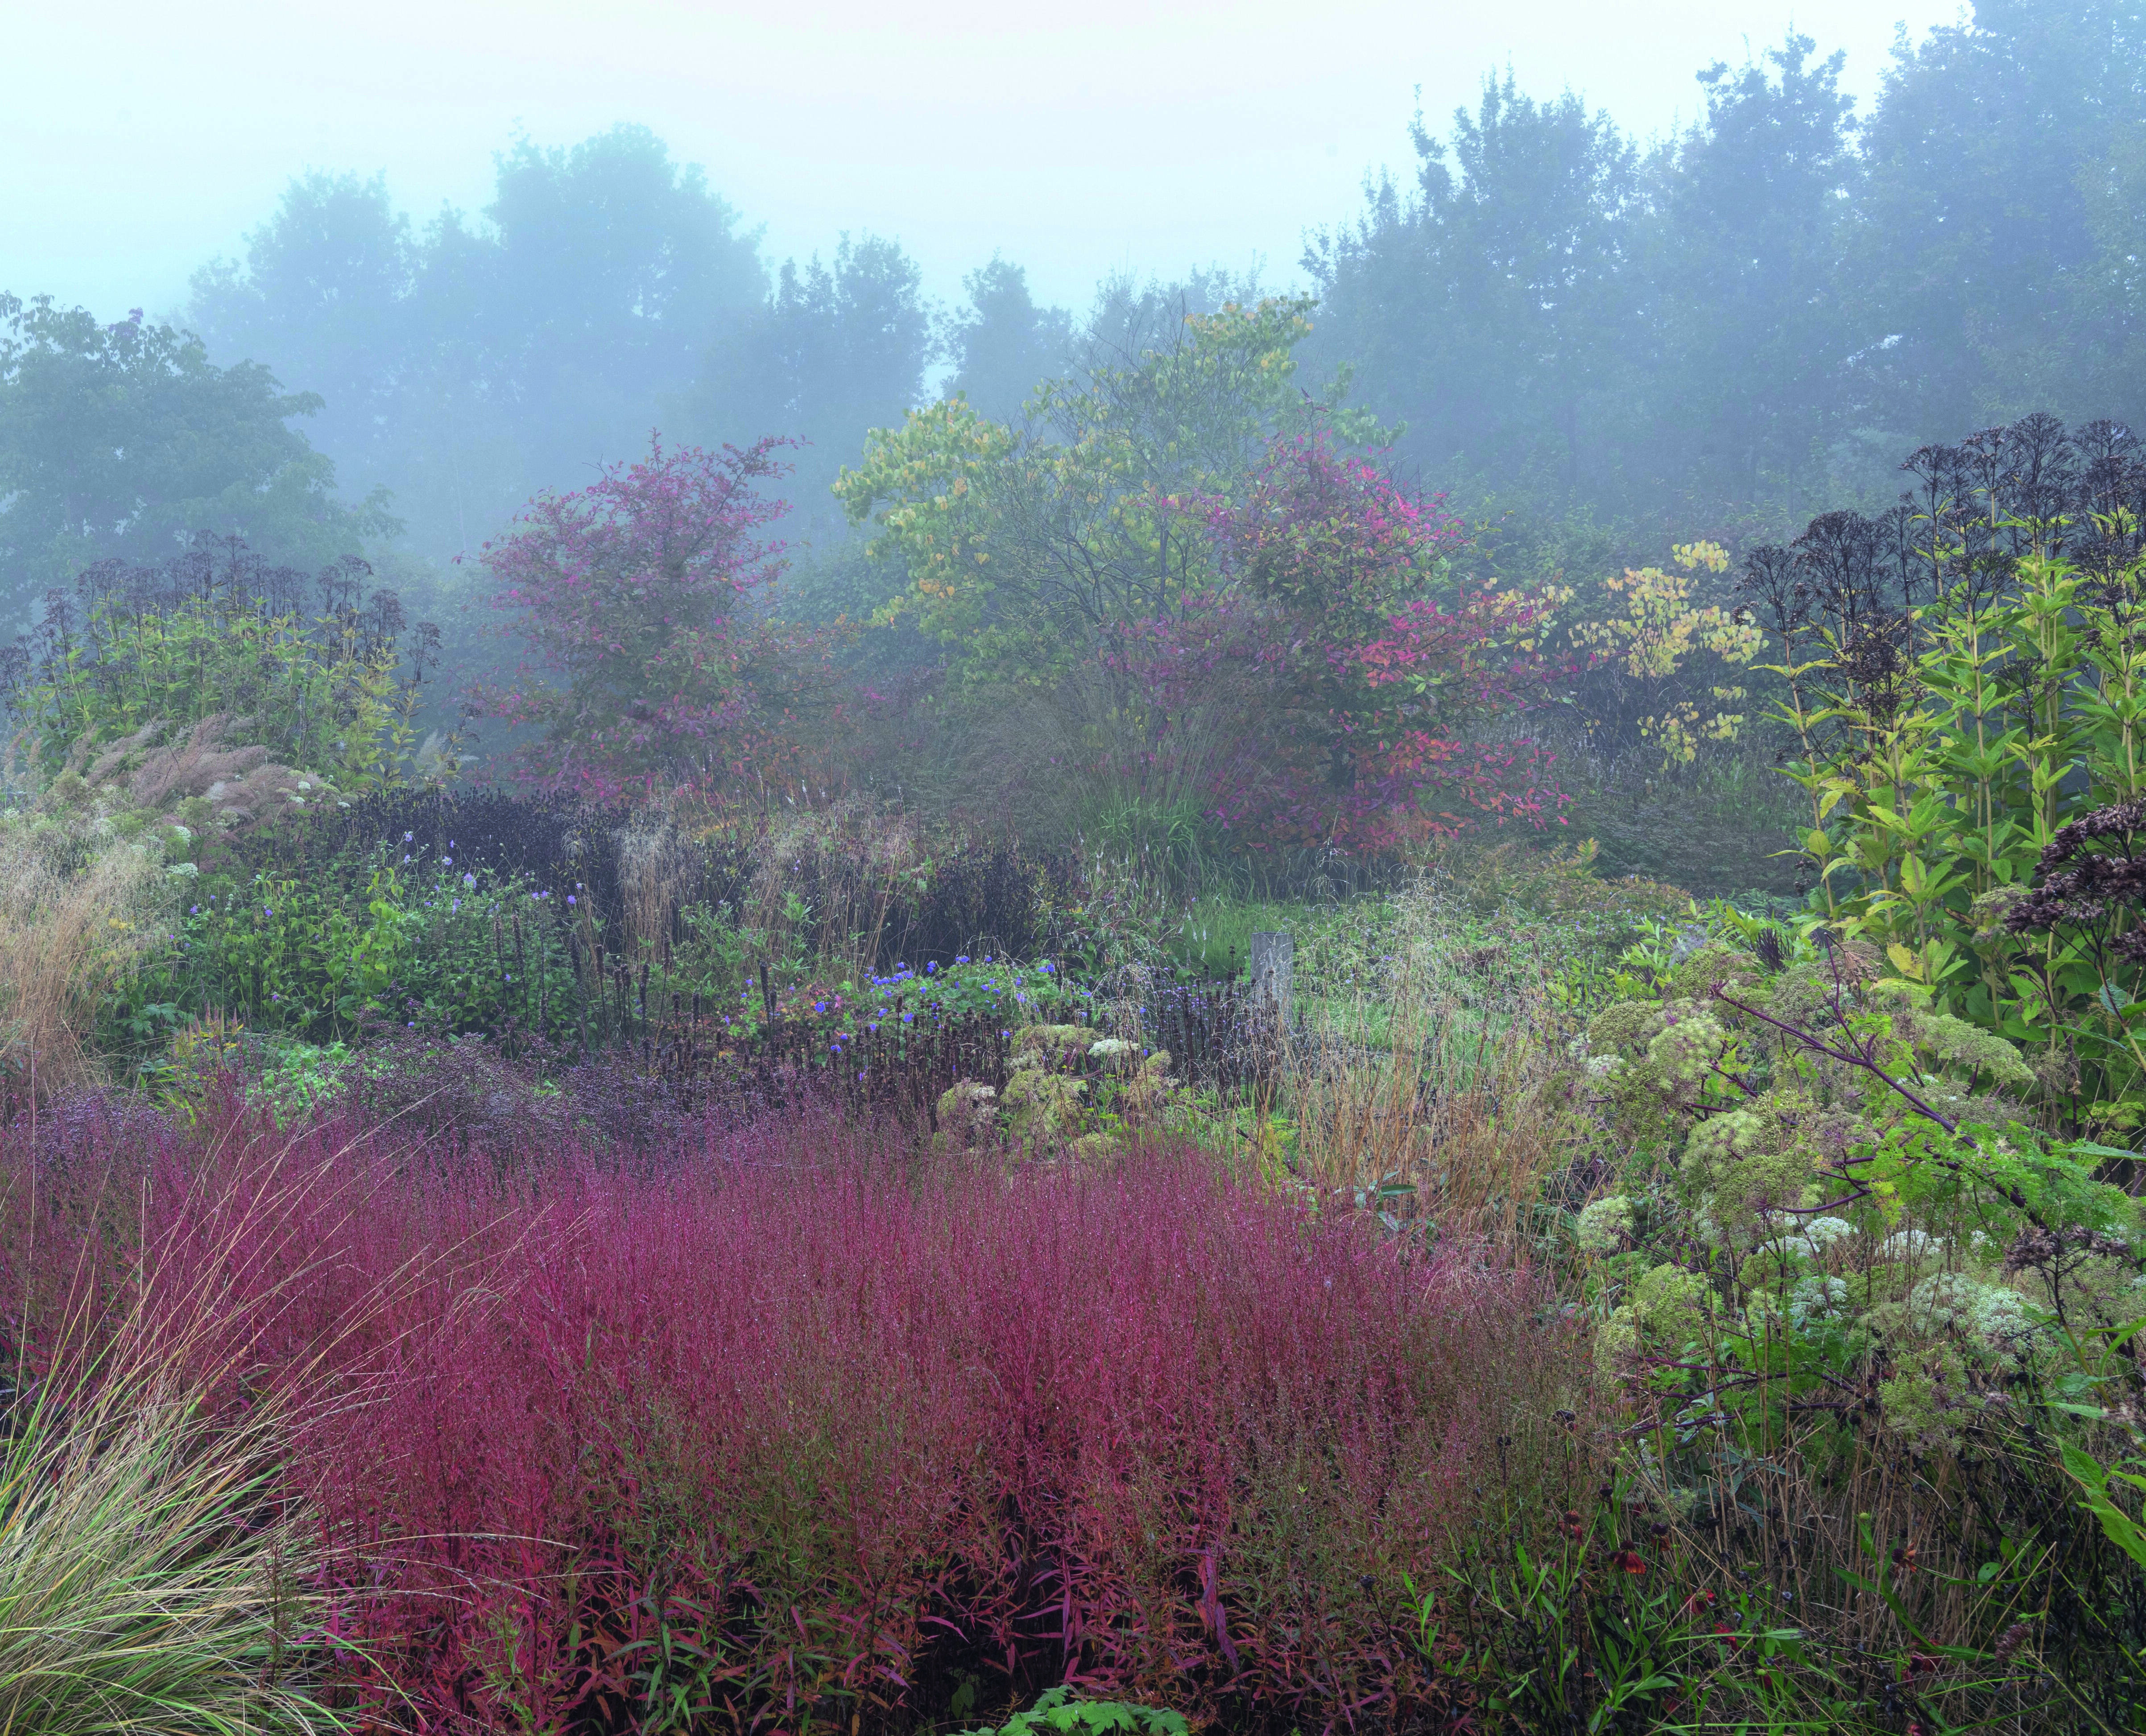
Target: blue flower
(934,966)
(570,899)
(470,881)
(962,960)
(908,1018)
(409,837)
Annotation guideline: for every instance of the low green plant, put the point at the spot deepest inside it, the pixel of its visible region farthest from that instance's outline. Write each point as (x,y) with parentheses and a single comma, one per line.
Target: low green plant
(1597,1628)
(2111,1482)
(382,935)
(294,1077)
(1023,994)
(1060,1710)
(709,959)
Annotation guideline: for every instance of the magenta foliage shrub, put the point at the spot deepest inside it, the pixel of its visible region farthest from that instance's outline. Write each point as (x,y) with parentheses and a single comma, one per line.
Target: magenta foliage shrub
(779,1431)
(634,593)
(1368,662)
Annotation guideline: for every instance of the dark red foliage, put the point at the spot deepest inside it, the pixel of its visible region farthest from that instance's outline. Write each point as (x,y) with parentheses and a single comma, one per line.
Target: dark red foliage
(781,1427)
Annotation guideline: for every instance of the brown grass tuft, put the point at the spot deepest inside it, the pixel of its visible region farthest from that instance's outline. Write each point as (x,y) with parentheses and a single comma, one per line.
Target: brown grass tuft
(78,904)
(1435,1076)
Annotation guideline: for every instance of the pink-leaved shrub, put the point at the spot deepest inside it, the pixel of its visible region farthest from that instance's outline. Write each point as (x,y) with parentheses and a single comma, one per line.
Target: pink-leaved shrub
(643,599)
(1361,668)
(782,1429)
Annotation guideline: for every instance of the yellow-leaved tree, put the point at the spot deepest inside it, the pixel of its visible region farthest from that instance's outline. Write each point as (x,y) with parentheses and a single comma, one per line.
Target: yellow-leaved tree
(1673,654)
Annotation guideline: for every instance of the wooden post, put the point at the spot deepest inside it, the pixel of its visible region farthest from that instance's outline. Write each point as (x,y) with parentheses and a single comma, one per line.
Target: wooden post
(1272,956)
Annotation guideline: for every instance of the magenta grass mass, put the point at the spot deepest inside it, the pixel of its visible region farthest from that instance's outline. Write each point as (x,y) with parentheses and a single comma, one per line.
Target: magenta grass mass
(782,1429)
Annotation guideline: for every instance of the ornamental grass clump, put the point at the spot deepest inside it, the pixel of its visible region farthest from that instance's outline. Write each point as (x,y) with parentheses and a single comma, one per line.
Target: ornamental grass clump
(149,1582)
(80,904)
(782,1425)
(157,1576)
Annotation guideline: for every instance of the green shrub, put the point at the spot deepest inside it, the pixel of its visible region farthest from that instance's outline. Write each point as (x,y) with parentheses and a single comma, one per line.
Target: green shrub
(1057,1709)
(379,935)
(213,639)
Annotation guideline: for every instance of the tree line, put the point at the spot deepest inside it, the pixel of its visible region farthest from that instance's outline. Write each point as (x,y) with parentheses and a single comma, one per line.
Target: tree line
(1719,329)
(1759,311)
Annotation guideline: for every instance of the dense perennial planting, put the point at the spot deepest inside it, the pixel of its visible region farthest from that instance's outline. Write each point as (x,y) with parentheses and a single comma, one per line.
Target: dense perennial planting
(769,1430)
(691,1246)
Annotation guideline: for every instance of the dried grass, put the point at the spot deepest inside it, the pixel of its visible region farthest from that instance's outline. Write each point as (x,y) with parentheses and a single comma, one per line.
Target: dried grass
(242,785)
(1434,1076)
(842,929)
(652,870)
(78,906)
(193,766)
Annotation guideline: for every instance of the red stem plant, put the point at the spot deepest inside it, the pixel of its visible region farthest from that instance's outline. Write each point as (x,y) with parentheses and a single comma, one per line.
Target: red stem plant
(783,1431)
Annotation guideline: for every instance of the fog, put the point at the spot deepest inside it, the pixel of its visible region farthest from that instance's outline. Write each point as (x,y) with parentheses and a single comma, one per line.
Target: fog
(1076,141)
(1597,276)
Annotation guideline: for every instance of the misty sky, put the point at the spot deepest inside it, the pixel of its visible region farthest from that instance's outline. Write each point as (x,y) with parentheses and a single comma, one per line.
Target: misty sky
(136,139)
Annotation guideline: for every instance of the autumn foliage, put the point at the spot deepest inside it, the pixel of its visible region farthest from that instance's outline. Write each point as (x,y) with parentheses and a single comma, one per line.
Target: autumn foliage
(640,598)
(1360,662)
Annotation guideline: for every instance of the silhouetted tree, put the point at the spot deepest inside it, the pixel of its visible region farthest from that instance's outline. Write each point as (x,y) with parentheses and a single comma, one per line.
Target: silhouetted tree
(1747,367)
(835,350)
(477,362)
(1490,306)
(124,439)
(1002,344)
(1994,265)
